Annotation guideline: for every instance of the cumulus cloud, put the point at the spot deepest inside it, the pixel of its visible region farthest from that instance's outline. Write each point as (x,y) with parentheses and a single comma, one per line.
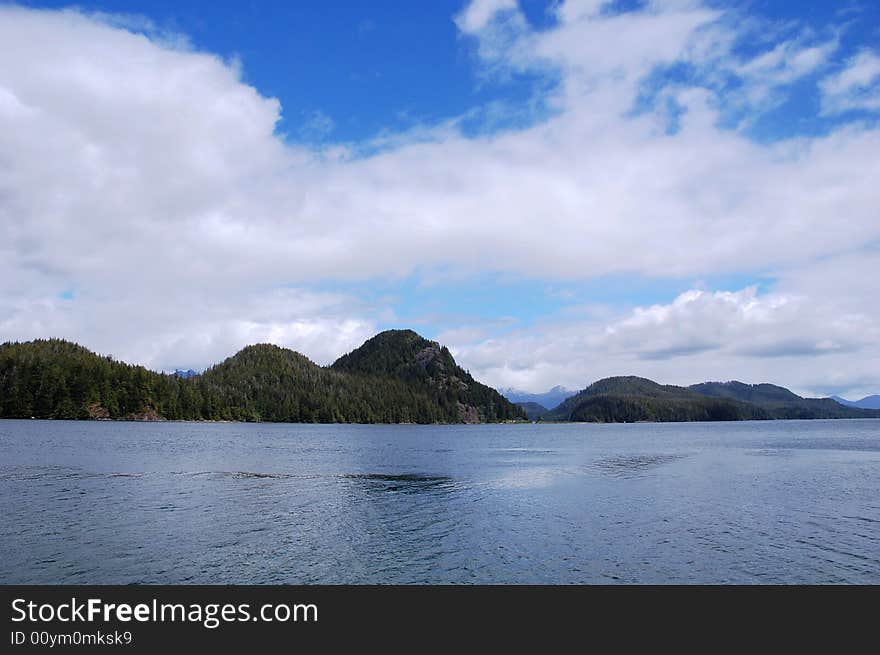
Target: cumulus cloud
(815,346)
(191,326)
(146,179)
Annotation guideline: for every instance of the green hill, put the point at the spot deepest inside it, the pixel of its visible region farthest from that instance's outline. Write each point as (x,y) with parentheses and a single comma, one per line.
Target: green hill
(631,399)
(58,379)
(428,368)
(395,377)
(533,410)
(778,402)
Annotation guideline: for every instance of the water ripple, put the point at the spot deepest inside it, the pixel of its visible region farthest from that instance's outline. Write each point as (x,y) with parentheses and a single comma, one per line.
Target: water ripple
(768,502)
(631,465)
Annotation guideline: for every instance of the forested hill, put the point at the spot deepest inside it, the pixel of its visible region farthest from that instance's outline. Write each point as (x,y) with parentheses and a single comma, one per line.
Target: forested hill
(427,367)
(395,377)
(779,402)
(533,410)
(630,399)
(58,379)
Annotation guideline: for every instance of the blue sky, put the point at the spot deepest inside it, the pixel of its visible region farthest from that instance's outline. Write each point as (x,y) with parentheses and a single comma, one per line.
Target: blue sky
(361,64)
(560,191)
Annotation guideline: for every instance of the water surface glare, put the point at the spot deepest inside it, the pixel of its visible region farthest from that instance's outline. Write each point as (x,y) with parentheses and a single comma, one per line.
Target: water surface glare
(210,503)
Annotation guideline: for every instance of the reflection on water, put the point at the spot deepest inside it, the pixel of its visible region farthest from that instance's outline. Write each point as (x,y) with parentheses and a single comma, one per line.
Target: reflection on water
(766,502)
(408,482)
(249,475)
(530,477)
(630,465)
(770,452)
(403,477)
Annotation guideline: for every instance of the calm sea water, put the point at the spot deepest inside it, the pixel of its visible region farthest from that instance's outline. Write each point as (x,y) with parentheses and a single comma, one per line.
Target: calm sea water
(762,502)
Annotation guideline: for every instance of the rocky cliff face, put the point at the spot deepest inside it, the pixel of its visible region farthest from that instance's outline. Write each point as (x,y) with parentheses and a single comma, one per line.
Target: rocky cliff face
(468,413)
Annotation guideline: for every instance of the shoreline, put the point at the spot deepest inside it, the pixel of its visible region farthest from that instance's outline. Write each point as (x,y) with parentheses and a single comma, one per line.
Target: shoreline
(207,421)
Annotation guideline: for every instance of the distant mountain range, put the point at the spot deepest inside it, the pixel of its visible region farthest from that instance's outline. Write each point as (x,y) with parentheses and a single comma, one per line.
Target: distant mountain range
(631,399)
(547,400)
(868,402)
(188,373)
(395,377)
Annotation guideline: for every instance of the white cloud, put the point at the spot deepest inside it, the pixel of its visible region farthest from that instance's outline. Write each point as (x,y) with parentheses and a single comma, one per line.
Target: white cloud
(168,328)
(148,178)
(766,75)
(786,62)
(814,346)
(856,86)
(479,13)
(317,126)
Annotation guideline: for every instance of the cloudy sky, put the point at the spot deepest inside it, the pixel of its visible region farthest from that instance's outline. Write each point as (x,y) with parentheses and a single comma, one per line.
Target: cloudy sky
(559,191)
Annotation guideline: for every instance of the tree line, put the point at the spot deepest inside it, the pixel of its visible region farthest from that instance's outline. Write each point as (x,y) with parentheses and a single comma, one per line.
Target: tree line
(53,378)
